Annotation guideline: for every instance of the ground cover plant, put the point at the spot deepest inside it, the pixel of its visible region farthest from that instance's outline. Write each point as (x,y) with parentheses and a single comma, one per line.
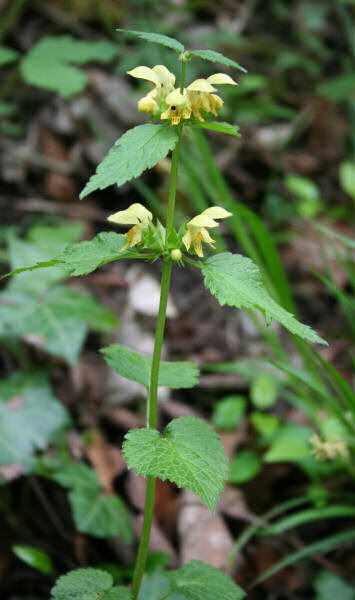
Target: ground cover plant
(294,410)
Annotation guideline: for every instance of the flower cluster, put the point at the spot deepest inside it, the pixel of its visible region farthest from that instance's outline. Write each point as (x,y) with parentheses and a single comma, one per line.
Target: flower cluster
(196,229)
(167,102)
(328,449)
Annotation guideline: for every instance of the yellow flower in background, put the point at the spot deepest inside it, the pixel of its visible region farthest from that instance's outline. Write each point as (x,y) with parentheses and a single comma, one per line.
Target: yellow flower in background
(197,228)
(163,81)
(178,108)
(328,449)
(136,215)
(200,96)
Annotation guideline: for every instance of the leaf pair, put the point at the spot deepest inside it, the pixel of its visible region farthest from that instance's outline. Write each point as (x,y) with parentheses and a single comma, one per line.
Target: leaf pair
(194,581)
(169,42)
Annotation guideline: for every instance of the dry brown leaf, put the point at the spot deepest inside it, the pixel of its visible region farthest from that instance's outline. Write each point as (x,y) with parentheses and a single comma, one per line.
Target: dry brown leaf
(107,461)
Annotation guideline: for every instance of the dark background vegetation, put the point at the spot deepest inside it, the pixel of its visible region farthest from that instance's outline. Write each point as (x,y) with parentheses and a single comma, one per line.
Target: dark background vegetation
(294,168)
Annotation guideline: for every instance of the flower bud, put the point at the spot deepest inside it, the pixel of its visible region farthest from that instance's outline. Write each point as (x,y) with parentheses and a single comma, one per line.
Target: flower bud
(176,255)
(147,105)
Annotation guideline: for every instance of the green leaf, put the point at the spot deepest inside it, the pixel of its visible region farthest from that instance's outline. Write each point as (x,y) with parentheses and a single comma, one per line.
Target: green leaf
(216,126)
(265,424)
(200,581)
(88,584)
(34,558)
(7,55)
(329,586)
(244,466)
(227,413)
(57,321)
(98,515)
(236,280)
(80,258)
(28,420)
(137,367)
(291,442)
(347,178)
(85,257)
(263,391)
(338,89)
(190,454)
(47,64)
(77,475)
(156,38)
(65,303)
(156,586)
(215,57)
(138,149)
(42,243)
(94,513)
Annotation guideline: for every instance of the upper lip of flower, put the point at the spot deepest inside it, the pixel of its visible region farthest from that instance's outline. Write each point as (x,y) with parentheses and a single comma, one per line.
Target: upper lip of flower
(136,215)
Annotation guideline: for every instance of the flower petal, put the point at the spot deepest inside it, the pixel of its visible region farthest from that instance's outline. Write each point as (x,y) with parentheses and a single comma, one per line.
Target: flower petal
(165,77)
(187,240)
(175,98)
(133,215)
(217,212)
(221,78)
(200,85)
(202,221)
(145,73)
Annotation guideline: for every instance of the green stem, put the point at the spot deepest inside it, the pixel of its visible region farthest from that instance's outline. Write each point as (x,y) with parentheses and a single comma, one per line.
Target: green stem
(144,542)
(152,409)
(172,188)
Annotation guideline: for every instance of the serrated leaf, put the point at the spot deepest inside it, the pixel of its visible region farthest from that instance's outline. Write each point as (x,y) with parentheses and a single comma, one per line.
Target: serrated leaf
(81,258)
(85,257)
(136,367)
(99,515)
(216,126)
(190,454)
(7,55)
(37,559)
(30,421)
(215,57)
(199,581)
(138,149)
(47,64)
(156,38)
(88,584)
(42,243)
(236,280)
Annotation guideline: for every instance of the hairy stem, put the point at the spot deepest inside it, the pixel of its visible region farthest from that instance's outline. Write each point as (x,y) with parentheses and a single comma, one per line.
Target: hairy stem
(152,408)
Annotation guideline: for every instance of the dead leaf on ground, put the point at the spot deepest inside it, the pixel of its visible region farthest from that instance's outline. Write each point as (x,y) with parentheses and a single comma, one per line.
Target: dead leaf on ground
(107,461)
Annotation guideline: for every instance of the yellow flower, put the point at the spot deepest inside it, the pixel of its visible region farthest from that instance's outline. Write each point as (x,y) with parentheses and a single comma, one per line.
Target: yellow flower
(163,81)
(200,96)
(178,108)
(328,449)
(136,215)
(196,228)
